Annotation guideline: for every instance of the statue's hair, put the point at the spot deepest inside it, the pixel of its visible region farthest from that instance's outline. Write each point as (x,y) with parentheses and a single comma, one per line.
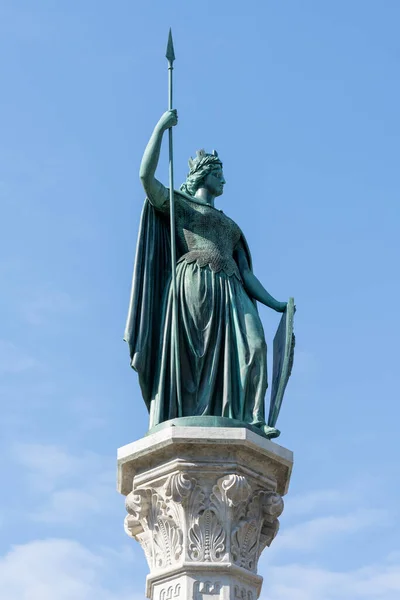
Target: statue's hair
(199,168)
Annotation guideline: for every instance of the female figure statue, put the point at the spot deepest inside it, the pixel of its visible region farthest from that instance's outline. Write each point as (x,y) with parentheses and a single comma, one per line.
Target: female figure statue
(221,339)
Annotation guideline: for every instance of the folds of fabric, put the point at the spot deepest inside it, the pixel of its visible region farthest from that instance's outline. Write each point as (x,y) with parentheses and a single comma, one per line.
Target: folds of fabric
(222,350)
(152,270)
(222,343)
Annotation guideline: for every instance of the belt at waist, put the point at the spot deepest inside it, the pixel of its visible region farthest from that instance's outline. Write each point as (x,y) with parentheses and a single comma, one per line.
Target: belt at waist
(215,261)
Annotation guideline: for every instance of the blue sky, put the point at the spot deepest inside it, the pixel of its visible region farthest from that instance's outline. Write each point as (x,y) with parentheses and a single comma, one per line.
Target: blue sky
(301,101)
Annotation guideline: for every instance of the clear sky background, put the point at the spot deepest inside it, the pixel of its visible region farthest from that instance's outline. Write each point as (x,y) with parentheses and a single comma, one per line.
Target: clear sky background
(301,99)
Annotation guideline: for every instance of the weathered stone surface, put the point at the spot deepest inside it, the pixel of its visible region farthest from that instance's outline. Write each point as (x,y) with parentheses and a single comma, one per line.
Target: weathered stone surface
(203,503)
(205,443)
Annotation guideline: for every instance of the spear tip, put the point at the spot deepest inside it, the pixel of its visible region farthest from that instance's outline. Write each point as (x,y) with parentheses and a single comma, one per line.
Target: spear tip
(170,54)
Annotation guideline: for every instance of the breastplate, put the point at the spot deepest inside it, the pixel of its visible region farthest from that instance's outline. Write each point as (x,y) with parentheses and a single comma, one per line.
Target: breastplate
(206,236)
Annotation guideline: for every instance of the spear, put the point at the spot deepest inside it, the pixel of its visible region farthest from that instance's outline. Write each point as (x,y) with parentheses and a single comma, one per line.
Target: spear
(175,364)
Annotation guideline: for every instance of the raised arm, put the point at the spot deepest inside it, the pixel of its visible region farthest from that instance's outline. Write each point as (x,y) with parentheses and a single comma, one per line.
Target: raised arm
(155,191)
(253,286)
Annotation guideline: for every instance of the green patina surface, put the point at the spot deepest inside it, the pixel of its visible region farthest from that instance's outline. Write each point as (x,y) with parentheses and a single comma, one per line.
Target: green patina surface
(193,329)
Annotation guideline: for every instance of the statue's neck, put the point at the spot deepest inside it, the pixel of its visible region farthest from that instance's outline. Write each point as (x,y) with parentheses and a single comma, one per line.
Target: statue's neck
(203,196)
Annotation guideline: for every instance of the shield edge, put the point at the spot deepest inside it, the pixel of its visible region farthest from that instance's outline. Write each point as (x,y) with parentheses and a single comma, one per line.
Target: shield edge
(276,403)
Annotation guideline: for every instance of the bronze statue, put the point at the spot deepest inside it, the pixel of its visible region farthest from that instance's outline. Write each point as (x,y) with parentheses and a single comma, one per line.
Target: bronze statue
(195,336)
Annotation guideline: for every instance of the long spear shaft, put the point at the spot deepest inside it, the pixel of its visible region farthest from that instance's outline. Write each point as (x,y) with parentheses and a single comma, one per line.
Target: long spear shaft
(175,364)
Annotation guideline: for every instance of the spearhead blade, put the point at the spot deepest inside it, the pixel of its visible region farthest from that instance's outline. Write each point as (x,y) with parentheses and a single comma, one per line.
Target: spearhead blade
(170,54)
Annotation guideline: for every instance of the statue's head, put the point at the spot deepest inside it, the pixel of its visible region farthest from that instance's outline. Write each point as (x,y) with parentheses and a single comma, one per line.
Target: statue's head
(204,171)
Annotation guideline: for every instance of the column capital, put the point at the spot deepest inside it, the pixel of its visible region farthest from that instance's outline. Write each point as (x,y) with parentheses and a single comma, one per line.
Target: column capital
(203,503)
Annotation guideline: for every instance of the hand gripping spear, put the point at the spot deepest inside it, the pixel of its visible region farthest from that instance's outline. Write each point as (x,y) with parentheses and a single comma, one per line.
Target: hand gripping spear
(175,364)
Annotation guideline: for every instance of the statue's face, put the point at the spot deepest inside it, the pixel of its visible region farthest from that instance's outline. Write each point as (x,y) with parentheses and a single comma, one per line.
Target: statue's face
(214,182)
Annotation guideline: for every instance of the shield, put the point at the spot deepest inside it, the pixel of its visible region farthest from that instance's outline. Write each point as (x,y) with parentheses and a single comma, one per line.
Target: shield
(284,341)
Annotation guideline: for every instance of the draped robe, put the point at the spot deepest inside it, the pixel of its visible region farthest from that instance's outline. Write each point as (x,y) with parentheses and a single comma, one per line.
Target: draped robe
(222,347)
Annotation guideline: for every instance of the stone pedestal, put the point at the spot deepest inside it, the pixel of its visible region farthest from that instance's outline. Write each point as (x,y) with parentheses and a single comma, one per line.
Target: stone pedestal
(203,503)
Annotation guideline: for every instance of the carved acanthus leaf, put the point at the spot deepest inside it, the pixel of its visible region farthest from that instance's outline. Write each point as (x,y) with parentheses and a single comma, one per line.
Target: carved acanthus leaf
(245,544)
(167,538)
(207,538)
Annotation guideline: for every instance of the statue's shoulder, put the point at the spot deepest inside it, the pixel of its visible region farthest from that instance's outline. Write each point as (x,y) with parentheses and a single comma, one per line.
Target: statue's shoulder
(162,204)
(183,197)
(186,202)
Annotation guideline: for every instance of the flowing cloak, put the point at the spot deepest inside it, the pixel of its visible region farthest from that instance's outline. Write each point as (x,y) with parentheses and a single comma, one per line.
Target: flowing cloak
(151,275)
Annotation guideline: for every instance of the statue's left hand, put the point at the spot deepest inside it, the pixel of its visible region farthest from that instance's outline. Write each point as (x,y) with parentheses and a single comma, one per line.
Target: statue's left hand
(281,307)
